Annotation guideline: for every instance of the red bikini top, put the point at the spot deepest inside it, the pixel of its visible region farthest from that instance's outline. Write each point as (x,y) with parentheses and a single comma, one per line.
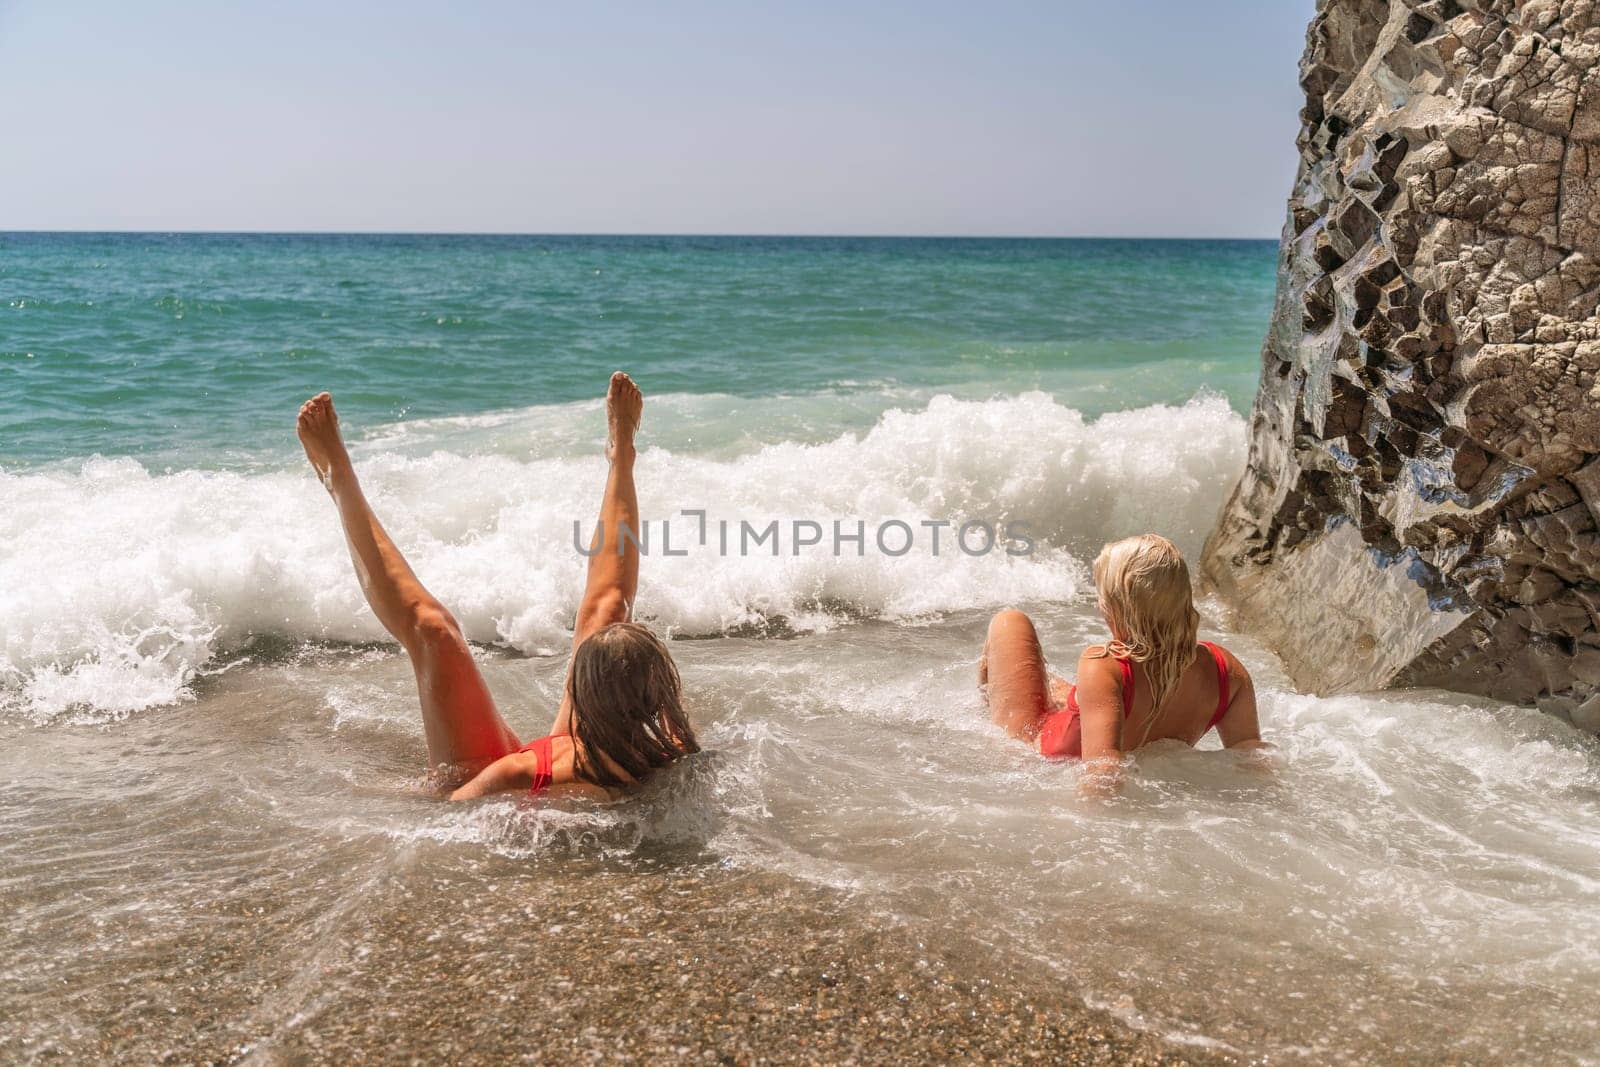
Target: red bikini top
(1224,698)
(543,764)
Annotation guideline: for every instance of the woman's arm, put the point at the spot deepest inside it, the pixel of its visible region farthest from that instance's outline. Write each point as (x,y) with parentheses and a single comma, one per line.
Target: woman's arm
(1240,727)
(1100,718)
(513,772)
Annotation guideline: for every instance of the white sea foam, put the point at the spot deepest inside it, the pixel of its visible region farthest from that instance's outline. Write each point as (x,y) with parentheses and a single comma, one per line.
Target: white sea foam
(119,583)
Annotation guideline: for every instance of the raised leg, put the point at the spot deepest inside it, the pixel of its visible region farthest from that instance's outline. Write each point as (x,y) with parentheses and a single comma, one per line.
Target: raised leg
(459,718)
(613,578)
(1013,675)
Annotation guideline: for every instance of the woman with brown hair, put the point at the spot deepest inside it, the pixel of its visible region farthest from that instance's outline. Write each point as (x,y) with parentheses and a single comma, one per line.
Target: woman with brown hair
(621,715)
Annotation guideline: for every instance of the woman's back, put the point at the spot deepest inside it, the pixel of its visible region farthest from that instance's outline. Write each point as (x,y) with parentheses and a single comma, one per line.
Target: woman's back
(1112,707)
(1197,703)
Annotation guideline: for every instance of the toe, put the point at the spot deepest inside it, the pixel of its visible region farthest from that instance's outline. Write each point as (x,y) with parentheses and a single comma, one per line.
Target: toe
(316,411)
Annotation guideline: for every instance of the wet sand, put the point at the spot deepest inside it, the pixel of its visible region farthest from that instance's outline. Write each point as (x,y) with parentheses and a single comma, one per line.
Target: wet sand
(569,965)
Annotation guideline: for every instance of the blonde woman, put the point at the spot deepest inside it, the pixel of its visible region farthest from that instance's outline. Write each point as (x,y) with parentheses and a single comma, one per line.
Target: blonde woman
(1153,681)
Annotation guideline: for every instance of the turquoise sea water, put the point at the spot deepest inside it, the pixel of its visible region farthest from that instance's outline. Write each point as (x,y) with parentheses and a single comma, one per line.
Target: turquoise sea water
(149,344)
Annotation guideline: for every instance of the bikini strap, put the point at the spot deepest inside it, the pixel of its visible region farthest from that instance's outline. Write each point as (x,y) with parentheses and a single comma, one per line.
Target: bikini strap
(543,764)
(1224,698)
(1127,687)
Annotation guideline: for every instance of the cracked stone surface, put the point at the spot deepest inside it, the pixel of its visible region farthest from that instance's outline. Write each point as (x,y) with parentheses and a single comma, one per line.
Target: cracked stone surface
(1422,500)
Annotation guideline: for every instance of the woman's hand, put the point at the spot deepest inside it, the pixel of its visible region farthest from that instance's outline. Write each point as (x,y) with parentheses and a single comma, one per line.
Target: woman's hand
(1257,757)
(1102,776)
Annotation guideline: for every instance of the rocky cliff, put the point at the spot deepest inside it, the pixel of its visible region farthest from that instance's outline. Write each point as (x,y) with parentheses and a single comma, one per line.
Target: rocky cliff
(1423,489)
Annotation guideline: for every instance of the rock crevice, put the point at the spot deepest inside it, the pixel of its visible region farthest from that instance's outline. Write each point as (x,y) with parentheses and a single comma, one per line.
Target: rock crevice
(1422,500)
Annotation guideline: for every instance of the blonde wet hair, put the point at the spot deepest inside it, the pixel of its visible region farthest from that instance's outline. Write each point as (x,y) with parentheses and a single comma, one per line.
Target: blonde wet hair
(1145,595)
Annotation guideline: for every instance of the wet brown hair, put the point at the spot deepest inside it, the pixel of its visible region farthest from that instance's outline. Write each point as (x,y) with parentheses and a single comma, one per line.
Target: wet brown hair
(627,705)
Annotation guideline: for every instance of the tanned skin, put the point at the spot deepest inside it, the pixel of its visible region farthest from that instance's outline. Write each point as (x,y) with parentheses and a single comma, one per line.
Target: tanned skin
(464,730)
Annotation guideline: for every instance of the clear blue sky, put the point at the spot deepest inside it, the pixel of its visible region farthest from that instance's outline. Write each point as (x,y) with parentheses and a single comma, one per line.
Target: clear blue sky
(1071,117)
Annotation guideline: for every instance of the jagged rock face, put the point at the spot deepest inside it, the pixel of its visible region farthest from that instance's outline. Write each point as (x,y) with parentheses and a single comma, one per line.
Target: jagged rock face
(1423,489)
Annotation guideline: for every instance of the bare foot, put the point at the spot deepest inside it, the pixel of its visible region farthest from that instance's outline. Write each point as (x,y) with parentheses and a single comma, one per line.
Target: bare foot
(318,427)
(624,406)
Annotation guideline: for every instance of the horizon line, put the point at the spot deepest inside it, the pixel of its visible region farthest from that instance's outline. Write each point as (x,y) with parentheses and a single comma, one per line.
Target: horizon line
(602,233)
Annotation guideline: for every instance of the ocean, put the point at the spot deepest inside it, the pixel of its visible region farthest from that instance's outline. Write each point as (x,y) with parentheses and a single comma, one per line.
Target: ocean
(210,752)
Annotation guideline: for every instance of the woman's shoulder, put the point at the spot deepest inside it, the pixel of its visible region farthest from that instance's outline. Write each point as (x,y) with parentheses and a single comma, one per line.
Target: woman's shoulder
(565,779)
(1236,668)
(1097,659)
(563,757)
